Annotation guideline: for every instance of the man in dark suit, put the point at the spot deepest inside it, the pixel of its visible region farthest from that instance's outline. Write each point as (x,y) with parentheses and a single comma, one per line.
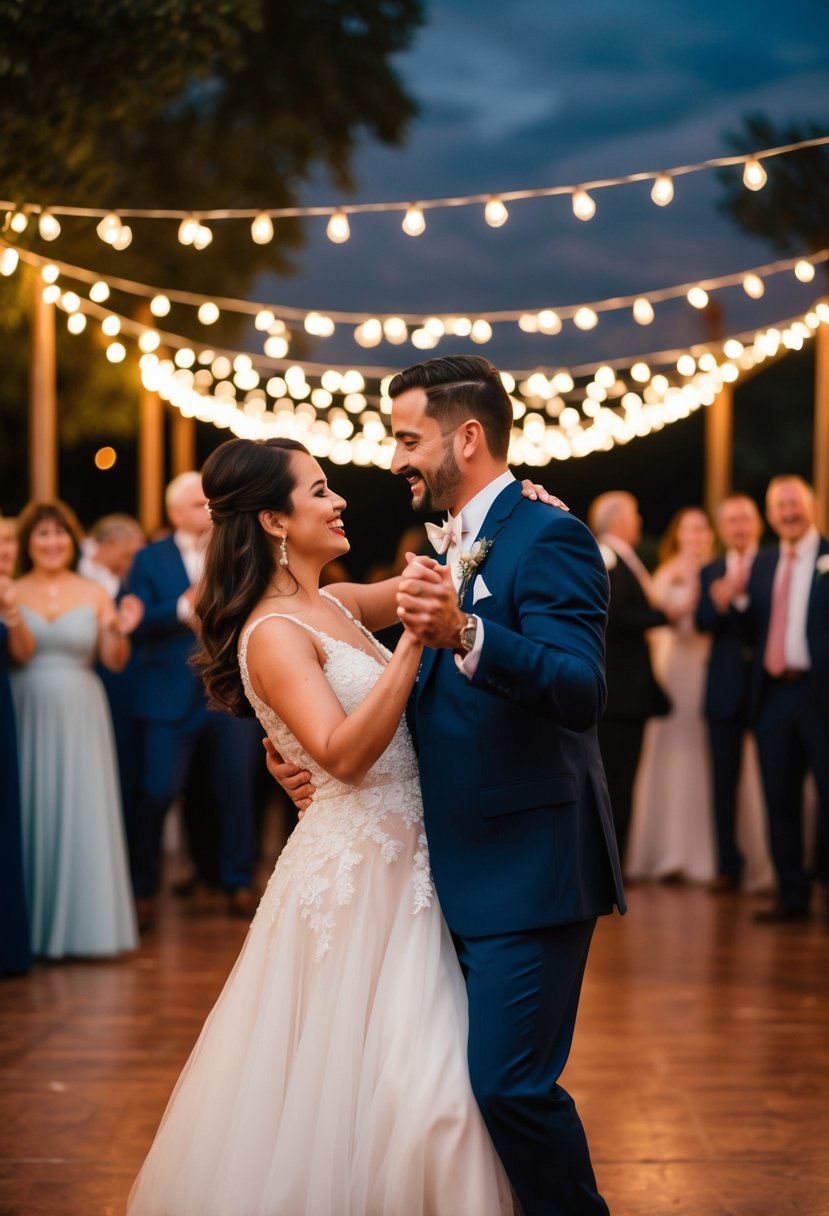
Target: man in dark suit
(171,708)
(633,694)
(723,584)
(504,712)
(788,614)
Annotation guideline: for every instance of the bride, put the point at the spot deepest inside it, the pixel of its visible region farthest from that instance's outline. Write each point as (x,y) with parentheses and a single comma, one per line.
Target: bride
(330,1077)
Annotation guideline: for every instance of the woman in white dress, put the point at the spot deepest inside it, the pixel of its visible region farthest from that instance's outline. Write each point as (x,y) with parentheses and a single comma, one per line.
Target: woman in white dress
(330,1078)
(672,826)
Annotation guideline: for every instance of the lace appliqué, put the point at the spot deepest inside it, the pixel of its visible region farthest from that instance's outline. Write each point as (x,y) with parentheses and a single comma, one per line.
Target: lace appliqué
(317,866)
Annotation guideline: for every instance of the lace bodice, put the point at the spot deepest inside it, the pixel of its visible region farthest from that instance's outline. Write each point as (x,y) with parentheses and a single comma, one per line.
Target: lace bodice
(384,812)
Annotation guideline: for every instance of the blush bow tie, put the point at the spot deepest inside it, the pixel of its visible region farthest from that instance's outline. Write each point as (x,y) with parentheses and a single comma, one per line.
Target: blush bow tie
(443,536)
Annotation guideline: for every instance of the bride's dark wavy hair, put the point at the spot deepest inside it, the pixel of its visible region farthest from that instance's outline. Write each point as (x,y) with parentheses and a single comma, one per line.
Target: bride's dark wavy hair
(240,479)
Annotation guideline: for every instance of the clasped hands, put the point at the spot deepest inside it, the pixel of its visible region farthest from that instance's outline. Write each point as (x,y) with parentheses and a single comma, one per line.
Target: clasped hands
(427,602)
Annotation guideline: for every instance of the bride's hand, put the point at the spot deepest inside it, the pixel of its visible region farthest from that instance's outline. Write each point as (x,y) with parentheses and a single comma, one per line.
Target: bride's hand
(296,782)
(535,492)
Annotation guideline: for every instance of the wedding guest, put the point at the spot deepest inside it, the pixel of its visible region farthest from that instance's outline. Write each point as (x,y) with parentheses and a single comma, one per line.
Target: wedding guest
(74,852)
(172,712)
(733,753)
(672,827)
(788,613)
(16,644)
(633,694)
(107,556)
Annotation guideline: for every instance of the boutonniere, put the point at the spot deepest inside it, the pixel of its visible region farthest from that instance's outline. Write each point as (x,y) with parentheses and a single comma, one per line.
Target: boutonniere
(822,565)
(470,563)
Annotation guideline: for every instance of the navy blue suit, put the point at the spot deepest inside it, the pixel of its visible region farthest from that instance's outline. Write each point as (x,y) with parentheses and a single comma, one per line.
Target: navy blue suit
(521,836)
(171,707)
(726,710)
(790,717)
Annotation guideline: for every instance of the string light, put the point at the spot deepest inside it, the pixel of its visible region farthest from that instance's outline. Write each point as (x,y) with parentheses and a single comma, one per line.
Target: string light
(202,236)
(584,208)
(109,227)
(495,212)
(338,229)
(19,222)
(643,312)
(208,313)
(586,318)
(753,286)
(804,271)
(99,292)
(8,261)
(697,297)
(414,222)
(261,230)
(187,230)
(754,175)
(122,238)
(48,226)
(160,306)
(663,190)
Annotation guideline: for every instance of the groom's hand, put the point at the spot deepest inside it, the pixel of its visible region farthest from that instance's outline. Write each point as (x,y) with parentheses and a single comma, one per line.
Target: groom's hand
(427,603)
(296,782)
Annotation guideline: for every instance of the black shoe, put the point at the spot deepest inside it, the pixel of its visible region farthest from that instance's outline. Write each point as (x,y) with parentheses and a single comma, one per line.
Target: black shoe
(779,914)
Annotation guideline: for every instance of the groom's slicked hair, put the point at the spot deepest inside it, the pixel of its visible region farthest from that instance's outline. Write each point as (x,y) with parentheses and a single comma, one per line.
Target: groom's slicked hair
(458,387)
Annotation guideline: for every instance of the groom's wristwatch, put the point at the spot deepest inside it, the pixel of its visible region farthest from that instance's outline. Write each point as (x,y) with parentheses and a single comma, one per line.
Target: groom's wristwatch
(468,632)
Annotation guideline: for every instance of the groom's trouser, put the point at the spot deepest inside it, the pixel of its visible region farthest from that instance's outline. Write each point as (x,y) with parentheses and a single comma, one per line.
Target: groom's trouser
(523,996)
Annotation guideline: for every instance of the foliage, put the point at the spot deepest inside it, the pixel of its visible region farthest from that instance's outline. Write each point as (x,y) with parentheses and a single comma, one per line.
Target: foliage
(184,104)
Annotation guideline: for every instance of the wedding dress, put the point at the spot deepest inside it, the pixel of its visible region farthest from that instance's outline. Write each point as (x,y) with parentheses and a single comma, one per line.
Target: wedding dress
(330,1078)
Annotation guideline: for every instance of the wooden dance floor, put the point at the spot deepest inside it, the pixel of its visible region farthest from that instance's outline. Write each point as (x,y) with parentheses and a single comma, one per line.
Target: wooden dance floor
(700,1066)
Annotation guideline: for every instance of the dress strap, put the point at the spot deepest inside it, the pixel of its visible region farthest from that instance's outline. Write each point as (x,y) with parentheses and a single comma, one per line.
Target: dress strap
(285,616)
(357,622)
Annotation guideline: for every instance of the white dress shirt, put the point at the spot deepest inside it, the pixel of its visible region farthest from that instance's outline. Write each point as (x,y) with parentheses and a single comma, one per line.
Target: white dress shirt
(805,555)
(191,549)
(472,520)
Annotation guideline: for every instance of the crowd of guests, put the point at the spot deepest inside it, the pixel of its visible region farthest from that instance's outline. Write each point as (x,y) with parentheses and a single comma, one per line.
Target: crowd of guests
(718,708)
(718,696)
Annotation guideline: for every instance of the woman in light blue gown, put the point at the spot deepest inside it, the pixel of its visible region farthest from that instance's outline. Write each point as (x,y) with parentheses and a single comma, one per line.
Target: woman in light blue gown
(74,854)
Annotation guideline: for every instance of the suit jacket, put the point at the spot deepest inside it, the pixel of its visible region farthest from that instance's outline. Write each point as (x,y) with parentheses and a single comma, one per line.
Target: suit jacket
(729,663)
(167,688)
(632,688)
(515,799)
(816,686)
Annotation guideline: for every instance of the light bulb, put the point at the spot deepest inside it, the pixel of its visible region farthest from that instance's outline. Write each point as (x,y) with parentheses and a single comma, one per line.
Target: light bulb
(122,238)
(109,227)
(48,226)
(585,318)
(495,212)
(261,229)
(187,230)
(804,271)
(338,230)
(149,341)
(395,330)
(663,190)
(208,313)
(549,322)
(369,333)
(754,175)
(70,302)
(203,236)
(51,294)
(19,222)
(584,207)
(8,261)
(116,352)
(414,222)
(481,332)
(76,323)
(159,306)
(99,292)
(111,326)
(264,319)
(642,311)
(697,297)
(49,273)
(754,286)
(640,372)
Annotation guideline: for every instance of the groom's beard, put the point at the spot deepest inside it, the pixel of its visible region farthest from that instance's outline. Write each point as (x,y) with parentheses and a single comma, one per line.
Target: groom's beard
(440,488)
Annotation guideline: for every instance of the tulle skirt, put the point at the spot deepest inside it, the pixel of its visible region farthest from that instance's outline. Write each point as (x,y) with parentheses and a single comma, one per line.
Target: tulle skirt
(333,1085)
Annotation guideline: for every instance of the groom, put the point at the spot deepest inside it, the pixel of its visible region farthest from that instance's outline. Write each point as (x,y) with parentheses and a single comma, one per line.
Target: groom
(503,715)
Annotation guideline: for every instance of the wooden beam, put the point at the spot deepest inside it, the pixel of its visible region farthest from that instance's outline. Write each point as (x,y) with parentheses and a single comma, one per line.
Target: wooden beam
(150,461)
(43,409)
(183,443)
(821,444)
(719,448)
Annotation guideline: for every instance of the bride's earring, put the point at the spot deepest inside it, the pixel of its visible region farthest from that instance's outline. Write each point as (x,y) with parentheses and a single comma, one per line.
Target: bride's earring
(283,551)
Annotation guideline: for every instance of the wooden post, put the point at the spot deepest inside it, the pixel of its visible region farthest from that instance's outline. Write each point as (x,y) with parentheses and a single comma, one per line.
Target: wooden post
(43,413)
(821,452)
(183,443)
(719,448)
(150,461)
